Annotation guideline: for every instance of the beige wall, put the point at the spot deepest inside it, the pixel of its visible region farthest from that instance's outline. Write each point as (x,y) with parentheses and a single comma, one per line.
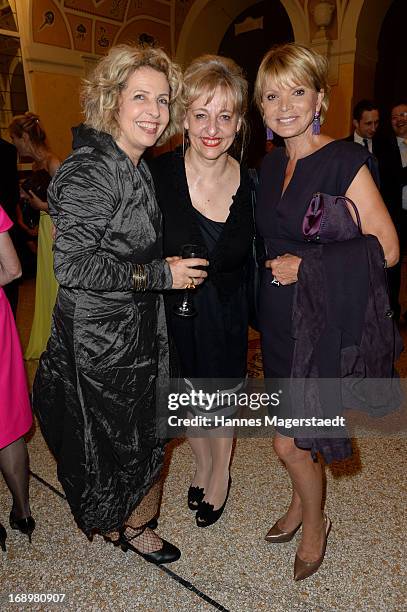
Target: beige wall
(57,103)
(337,123)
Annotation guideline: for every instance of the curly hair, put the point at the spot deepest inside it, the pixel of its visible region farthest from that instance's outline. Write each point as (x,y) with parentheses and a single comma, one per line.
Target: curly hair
(29,124)
(207,73)
(101,91)
(290,64)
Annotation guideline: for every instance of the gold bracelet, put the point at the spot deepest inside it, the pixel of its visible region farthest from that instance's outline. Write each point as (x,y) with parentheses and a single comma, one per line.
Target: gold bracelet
(139,278)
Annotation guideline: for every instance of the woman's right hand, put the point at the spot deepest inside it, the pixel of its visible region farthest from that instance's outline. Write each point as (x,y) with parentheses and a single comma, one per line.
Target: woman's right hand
(184,272)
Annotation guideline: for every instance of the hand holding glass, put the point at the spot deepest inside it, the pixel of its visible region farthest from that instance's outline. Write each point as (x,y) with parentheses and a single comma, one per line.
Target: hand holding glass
(185,307)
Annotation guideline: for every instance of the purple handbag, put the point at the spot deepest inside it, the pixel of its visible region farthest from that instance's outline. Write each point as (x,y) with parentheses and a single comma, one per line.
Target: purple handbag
(328,219)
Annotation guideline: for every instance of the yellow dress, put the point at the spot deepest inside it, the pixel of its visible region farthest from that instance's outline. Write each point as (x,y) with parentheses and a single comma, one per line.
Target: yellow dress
(45,290)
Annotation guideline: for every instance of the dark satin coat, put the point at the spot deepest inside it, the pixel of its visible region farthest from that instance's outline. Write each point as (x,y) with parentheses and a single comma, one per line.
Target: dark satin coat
(95,389)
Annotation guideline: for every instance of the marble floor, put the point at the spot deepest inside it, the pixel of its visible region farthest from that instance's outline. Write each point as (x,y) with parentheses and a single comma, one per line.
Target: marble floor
(228,566)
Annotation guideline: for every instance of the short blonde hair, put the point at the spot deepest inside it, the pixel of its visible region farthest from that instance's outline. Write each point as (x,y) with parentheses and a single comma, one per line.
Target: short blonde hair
(208,72)
(101,91)
(293,64)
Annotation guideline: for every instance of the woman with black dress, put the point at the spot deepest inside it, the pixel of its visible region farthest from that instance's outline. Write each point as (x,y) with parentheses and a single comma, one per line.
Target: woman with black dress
(204,196)
(96,387)
(291,93)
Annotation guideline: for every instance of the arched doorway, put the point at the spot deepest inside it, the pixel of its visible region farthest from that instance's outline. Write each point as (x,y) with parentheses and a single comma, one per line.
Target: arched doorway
(19,104)
(247,39)
(208,21)
(390,82)
(363,21)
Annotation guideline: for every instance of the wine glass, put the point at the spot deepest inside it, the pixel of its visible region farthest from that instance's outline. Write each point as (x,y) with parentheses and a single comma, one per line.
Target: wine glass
(185,307)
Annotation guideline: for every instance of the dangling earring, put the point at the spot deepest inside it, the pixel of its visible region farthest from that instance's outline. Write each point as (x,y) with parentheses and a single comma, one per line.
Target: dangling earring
(269,134)
(241,136)
(184,142)
(316,124)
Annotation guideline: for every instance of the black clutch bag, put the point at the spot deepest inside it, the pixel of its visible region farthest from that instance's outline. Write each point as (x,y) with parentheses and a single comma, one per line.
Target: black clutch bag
(38,184)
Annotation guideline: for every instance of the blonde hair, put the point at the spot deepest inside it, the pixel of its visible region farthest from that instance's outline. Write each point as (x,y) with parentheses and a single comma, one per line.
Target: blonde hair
(29,124)
(101,91)
(293,64)
(207,73)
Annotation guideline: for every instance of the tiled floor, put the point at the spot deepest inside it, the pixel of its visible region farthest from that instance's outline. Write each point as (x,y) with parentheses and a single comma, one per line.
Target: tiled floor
(227,566)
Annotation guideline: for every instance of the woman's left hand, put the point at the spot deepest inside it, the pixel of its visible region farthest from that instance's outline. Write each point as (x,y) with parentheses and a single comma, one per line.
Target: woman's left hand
(36,203)
(284,268)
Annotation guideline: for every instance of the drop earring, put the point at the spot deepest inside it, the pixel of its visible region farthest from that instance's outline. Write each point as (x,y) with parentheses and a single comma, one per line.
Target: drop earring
(269,134)
(184,142)
(316,124)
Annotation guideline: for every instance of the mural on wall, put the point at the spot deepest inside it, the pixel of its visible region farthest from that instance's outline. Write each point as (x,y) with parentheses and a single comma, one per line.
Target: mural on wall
(105,34)
(152,8)
(81,28)
(113,9)
(94,26)
(48,24)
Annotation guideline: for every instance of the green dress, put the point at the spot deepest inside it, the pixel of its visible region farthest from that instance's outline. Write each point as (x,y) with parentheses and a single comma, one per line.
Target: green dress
(45,290)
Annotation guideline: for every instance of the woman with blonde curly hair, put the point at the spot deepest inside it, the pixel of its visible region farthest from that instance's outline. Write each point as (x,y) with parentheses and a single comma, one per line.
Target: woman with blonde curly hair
(30,139)
(95,389)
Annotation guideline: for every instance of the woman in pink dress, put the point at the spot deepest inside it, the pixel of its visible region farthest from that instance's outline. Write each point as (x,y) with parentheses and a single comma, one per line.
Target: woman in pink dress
(15,409)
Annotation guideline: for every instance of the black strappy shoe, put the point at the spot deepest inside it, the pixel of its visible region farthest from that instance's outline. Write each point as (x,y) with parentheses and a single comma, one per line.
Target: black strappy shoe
(168,553)
(195,496)
(25,525)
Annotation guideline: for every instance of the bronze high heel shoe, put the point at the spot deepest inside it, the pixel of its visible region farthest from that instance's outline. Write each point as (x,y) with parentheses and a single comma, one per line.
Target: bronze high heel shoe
(3,537)
(305,569)
(25,525)
(277,535)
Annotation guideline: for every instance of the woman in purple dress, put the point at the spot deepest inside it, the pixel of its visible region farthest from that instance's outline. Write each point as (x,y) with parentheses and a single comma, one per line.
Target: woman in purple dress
(291,93)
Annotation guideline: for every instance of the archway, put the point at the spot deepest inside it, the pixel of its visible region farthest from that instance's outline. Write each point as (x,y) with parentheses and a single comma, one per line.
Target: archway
(360,30)
(246,41)
(390,83)
(19,104)
(208,21)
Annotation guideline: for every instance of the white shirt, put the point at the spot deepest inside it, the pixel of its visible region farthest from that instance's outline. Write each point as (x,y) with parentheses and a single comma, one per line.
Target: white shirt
(359,140)
(403,154)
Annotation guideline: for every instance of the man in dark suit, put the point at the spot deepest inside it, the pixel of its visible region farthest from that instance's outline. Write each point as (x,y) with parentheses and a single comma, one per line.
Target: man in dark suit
(399,125)
(365,123)
(366,119)
(9,196)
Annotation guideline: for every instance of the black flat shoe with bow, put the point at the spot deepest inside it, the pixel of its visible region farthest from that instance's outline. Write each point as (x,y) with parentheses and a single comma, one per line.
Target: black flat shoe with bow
(195,496)
(206,515)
